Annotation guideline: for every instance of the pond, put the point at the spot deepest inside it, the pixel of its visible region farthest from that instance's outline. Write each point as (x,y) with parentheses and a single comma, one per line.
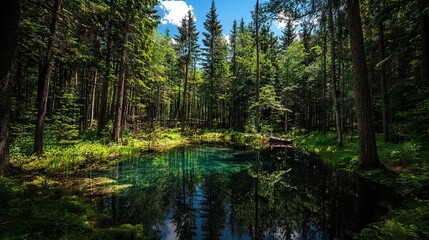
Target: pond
(223,192)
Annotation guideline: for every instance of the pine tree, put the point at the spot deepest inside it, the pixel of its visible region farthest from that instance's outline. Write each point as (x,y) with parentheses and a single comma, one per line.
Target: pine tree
(9,17)
(258,74)
(187,47)
(212,57)
(45,78)
(368,155)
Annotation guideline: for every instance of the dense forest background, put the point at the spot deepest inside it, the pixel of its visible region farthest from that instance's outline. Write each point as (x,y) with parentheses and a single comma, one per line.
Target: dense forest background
(102,67)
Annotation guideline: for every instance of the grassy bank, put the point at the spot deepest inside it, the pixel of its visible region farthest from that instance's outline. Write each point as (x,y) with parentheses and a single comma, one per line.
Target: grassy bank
(408,162)
(92,152)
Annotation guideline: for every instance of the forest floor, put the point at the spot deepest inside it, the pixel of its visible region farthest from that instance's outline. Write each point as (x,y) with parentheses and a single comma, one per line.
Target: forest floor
(41,203)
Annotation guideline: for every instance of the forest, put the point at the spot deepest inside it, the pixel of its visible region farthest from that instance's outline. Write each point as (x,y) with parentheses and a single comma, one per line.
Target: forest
(87,84)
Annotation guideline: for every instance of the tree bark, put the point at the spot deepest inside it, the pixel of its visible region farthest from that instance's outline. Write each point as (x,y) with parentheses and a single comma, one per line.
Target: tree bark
(335,93)
(45,77)
(425,39)
(94,88)
(185,89)
(368,155)
(118,121)
(258,72)
(9,19)
(383,80)
(102,118)
(117,127)
(324,83)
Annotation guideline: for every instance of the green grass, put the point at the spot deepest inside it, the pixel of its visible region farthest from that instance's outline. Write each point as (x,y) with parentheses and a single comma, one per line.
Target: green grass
(88,151)
(408,153)
(63,158)
(91,152)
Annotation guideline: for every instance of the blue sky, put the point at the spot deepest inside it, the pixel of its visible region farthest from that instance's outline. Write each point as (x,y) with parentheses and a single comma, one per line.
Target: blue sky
(172,11)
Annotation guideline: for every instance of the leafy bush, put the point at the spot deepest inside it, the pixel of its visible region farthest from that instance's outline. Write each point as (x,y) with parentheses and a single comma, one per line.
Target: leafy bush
(407,224)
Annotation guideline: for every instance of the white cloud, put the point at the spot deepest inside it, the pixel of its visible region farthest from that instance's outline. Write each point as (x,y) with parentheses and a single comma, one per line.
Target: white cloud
(282,19)
(173,41)
(174,11)
(227,38)
(280,24)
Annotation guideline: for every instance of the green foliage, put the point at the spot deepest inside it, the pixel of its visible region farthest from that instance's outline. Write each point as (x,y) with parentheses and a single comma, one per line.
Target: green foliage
(408,153)
(66,119)
(64,157)
(405,224)
(123,232)
(326,147)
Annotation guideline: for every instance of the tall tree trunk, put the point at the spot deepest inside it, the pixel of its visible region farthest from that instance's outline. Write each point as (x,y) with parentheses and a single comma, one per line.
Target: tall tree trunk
(185,88)
(258,72)
(117,127)
(83,100)
(335,92)
(158,105)
(9,18)
(43,85)
(94,88)
(324,83)
(211,93)
(425,38)
(177,110)
(368,155)
(286,96)
(383,80)
(102,118)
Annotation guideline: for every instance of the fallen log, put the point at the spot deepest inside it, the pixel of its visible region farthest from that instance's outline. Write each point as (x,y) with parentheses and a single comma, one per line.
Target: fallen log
(281,141)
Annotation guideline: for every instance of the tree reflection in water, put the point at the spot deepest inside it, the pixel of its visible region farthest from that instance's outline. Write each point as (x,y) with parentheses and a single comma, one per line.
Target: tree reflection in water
(217,192)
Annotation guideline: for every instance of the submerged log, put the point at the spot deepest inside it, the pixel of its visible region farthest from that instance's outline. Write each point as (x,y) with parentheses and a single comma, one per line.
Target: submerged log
(280,141)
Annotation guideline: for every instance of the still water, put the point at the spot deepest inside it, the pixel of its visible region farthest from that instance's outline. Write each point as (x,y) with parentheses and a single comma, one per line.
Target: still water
(221,192)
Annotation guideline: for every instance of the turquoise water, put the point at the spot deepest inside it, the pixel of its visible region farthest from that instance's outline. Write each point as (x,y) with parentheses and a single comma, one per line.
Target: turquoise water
(220,192)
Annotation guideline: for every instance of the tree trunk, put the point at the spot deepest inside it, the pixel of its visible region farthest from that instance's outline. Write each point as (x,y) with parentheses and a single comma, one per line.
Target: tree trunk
(43,85)
(368,155)
(258,73)
(383,80)
(102,118)
(9,19)
(425,39)
(335,92)
(324,83)
(185,88)
(158,105)
(94,88)
(117,127)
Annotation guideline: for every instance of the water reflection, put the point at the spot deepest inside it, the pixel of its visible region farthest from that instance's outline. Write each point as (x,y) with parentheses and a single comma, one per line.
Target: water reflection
(216,192)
